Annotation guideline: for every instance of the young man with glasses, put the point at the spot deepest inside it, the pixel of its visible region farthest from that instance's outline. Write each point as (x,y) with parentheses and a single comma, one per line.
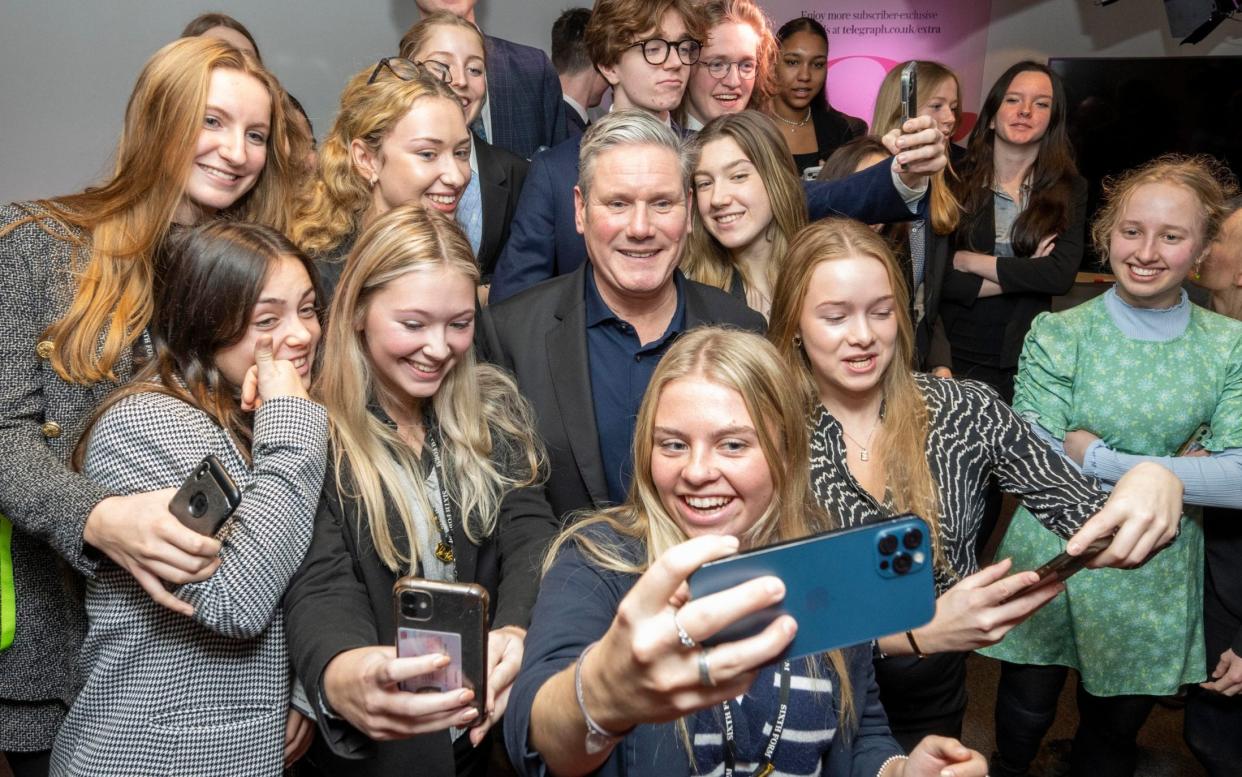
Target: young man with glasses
(734,66)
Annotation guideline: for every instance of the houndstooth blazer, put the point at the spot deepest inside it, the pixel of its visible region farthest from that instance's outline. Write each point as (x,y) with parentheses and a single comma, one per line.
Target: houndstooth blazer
(41,417)
(169,695)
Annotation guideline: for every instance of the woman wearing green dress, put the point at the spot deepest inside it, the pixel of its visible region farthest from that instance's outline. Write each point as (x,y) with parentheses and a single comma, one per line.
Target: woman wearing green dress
(1124,378)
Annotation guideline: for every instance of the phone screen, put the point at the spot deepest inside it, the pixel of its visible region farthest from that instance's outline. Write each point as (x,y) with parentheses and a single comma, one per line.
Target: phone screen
(420,642)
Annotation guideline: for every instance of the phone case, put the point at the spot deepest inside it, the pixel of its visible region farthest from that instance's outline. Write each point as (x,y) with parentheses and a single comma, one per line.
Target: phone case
(909,92)
(207,497)
(453,621)
(843,587)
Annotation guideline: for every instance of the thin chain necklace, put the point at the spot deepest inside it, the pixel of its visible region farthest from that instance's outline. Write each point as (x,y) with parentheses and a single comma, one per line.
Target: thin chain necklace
(795,124)
(863,449)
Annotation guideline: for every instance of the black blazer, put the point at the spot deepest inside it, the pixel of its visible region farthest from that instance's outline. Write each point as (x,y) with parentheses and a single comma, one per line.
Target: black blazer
(574,123)
(501,174)
(540,336)
(341,599)
(1028,283)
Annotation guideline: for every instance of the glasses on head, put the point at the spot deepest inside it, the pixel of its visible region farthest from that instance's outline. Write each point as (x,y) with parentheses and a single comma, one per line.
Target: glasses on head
(719,68)
(656,50)
(408,71)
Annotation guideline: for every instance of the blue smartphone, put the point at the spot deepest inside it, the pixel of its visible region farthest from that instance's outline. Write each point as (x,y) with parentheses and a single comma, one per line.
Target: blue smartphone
(843,587)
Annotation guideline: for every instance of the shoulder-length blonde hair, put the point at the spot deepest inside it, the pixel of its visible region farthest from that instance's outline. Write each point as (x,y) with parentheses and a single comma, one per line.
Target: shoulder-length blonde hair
(121,223)
(907,472)
(485,425)
(705,260)
(743,362)
(335,205)
(945,211)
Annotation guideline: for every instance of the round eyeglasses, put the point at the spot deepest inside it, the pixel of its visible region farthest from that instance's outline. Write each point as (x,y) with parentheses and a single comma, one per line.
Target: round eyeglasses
(656,50)
(407,70)
(719,68)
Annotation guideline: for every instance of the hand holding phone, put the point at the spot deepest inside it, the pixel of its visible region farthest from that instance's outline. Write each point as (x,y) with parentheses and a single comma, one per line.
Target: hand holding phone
(1063,566)
(435,617)
(207,497)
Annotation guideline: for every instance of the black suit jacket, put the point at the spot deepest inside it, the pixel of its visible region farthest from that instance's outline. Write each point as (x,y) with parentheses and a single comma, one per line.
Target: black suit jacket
(573,122)
(540,336)
(1028,283)
(501,174)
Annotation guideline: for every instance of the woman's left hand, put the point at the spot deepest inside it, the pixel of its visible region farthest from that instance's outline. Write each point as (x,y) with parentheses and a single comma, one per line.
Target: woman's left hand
(942,757)
(504,658)
(299,733)
(1076,444)
(1145,511)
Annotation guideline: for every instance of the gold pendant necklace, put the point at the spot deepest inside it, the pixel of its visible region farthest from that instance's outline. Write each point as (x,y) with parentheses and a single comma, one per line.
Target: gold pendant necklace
(795,124)
(863,450)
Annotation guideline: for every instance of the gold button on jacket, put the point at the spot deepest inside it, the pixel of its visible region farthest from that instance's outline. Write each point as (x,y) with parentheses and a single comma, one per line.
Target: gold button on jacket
(51,429)
(45,348)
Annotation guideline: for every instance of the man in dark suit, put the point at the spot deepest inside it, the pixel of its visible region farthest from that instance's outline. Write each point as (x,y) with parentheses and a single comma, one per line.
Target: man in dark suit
(652,77)
(524,109)
(581,84)
(583,346)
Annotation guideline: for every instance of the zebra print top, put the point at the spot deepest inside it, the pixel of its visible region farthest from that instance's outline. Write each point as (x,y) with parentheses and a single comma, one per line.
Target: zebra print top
(972,436)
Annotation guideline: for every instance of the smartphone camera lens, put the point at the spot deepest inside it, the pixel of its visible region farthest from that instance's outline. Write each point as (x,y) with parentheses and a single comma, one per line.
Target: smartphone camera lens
(888,544)
(416,605)
(198,504)
(902,563)
(913,539)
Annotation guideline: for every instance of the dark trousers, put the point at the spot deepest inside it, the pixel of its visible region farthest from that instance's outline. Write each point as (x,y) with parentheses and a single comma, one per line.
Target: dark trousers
(29,764)
(1026,705)
(923,697)
(1213,731)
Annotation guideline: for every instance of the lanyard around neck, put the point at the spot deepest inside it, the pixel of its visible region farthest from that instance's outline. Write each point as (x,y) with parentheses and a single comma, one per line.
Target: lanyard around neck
(764,767)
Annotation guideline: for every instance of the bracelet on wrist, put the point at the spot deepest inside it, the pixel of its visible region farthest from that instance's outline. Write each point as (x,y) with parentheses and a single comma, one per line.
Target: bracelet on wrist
(598,738)
(891,759)
(914,645)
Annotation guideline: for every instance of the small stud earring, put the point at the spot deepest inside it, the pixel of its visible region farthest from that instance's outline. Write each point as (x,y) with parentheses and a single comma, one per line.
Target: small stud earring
(797,341)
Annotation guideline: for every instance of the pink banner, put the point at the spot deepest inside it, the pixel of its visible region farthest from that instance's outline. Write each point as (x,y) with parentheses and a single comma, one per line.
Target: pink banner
(866,39)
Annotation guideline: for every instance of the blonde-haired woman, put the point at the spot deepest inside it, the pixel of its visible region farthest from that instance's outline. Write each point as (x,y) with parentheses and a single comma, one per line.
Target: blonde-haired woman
(431,452)
(399,138)
(614,682)
(925,246)
(886,440)
(205,134)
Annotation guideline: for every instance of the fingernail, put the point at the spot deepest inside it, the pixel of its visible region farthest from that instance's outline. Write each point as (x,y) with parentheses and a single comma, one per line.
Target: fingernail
(790,626)
(465,696)
(774,587)
(470,714)
(442,660)
(946,773)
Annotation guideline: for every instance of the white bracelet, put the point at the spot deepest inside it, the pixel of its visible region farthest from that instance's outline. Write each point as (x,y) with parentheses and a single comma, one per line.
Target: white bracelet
(888,761)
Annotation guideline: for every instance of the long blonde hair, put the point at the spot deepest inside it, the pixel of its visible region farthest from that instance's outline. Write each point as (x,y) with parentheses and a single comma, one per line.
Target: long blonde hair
(335,205)
(745,363)
(707,261)
(943,207)
(116,227)
(485,425)
(907,471)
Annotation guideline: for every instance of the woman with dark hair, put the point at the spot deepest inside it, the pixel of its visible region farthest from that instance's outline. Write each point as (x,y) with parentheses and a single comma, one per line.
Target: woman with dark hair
(207,134)
(851,157)
(1020,238)
(234,335)
(225,28)
(812,128)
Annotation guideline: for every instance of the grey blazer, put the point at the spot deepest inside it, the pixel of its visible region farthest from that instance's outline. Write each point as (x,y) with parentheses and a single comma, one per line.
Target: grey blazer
(167,694)
(41,417)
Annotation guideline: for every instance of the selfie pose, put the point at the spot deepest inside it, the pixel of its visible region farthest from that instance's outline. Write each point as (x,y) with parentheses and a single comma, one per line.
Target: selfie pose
(206,134)
(887,440)
(1119,381)
(615,680)
(234,335)
(431,452)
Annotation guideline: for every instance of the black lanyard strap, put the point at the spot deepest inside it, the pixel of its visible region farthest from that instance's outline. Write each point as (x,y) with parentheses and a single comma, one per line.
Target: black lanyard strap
(764,766)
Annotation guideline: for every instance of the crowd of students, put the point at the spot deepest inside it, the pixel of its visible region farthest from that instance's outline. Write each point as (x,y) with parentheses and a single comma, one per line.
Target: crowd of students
(473,335)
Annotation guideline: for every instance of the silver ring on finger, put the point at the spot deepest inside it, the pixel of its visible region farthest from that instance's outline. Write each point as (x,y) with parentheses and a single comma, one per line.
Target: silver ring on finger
(686,640)
(705,670)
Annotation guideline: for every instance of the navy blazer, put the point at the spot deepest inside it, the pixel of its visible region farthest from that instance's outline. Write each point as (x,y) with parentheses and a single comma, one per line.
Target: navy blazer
(540,336)
(544,242)
(501,174)
(574,123)
(523,97)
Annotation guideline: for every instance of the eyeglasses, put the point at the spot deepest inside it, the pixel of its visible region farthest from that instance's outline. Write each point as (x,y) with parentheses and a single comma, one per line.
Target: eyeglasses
(656,50)
(719,68)
(408,71)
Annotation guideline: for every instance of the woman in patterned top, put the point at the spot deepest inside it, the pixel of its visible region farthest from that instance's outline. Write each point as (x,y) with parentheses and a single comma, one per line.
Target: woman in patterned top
(929,446)
(720,462)
(234,333)
(1123,380)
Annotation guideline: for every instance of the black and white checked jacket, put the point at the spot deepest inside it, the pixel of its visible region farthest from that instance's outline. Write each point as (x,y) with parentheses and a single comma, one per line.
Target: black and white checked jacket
(167,694)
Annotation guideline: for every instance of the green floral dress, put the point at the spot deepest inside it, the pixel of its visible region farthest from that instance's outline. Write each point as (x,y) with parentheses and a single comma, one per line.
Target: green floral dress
(1125,631)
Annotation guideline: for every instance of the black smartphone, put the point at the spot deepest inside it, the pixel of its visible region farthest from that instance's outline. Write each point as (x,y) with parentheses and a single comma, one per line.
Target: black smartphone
(843,587)
(909,92)
(440,617)
(206,498)
(1062,567)
(1195,441)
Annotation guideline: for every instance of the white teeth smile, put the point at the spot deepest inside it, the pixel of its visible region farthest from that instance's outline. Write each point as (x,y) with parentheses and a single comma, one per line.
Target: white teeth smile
(861,364)
(1145,272)
(299,362)
(707,502)
(728,218)
(218,174)
(639,254)
(421,367)
(443,199)
(728,98)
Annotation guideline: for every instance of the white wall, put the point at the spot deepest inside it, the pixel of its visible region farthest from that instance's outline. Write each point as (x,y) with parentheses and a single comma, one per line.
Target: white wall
(67,66)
